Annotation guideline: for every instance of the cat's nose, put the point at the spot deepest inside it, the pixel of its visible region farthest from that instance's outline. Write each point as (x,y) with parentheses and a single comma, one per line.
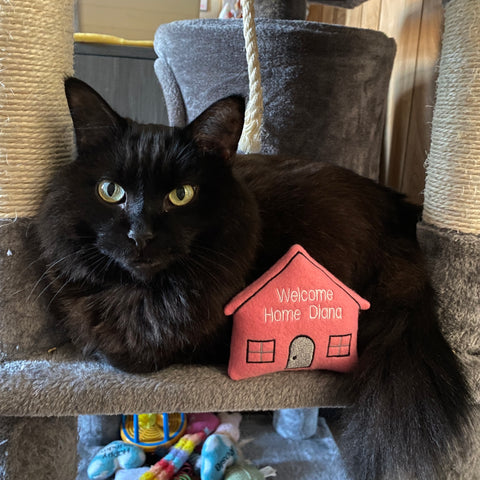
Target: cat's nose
(141,238)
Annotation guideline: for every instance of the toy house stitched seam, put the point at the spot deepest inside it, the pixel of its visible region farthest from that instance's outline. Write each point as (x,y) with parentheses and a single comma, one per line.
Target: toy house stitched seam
(261,351)
(337,347)
(334,280)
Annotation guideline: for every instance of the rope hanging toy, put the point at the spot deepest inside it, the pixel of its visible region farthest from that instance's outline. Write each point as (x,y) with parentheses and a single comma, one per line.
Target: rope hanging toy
(250,140)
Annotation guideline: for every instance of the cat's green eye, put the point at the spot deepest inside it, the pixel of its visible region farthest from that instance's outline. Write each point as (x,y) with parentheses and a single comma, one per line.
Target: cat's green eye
(110,192)
(182,195)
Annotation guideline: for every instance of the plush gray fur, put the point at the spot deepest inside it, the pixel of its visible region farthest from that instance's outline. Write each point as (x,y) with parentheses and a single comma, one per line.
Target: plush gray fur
(38,448)
(295,9)
(27,330)
(284,9)
(44,388)
(341,3)
(324,86)
(454,261)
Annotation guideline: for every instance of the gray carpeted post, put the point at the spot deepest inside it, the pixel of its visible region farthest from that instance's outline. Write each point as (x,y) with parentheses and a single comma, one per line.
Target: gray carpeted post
(450,231)
(36,447)
(324,86)
(36,41)
(341,3)
(282,9)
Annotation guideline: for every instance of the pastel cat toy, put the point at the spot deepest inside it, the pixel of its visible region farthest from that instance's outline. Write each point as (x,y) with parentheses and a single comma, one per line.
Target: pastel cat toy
(219,450)
(202,422)
(168,466)
(114,456)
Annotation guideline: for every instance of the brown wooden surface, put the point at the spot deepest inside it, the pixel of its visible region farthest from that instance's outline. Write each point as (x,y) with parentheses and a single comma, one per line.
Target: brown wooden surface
(416,25)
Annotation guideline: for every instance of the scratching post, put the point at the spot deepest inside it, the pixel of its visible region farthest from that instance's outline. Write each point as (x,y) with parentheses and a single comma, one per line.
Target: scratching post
(36,45)
(36,135)
(450,230)
(35,128)
(452,193)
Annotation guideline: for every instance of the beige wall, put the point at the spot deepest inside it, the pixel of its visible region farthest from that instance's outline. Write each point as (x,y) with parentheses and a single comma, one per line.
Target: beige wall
(416,26)
(214,7)
(132,19)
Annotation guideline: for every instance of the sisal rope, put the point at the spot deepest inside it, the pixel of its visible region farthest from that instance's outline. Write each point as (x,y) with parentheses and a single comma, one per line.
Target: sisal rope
(250,141)
(452,190)
(36,53)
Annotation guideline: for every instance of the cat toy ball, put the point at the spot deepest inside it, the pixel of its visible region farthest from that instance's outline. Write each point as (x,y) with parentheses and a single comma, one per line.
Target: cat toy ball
(151,430)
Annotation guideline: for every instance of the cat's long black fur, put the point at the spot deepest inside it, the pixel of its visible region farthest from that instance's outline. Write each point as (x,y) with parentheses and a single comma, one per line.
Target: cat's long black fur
(143,282)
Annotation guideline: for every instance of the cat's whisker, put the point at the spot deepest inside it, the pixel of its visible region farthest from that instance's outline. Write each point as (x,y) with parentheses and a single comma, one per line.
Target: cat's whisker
(100,264)
(30,265)
(211,261)
(192,262)
(106,267)
(83,251)
(47,287)
(57,293)
(45,273)
(94,264)
(218,253)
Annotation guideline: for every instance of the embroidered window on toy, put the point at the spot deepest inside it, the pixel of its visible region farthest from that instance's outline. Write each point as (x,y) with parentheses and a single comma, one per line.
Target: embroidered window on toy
(259,351)
(339,345)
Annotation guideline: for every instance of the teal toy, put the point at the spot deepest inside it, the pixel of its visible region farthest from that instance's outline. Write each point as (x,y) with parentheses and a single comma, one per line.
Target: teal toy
(114,456)
(218,452)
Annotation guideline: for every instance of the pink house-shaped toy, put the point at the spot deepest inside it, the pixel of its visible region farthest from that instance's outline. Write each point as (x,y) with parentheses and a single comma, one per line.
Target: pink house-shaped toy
(297,315)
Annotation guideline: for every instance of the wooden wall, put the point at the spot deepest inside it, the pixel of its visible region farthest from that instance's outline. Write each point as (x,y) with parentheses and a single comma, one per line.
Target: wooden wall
(416,25)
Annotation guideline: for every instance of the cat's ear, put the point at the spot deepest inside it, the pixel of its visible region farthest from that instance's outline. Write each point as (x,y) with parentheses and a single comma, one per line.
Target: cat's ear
(93,119)
(219,127)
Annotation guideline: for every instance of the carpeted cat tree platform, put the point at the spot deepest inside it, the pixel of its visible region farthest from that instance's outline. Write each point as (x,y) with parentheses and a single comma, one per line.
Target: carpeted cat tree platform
(44,384)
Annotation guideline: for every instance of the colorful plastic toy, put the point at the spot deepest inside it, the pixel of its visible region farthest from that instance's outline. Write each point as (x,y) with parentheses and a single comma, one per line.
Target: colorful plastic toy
(150,430)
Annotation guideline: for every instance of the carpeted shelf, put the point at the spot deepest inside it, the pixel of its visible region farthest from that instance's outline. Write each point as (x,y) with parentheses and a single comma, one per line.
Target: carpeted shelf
(75,387)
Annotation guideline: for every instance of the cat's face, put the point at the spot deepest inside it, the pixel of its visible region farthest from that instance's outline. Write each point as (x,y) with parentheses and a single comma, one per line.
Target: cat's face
(139,197)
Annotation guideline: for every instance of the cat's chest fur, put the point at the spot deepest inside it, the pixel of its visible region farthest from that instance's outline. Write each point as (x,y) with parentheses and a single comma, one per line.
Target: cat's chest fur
(149,325)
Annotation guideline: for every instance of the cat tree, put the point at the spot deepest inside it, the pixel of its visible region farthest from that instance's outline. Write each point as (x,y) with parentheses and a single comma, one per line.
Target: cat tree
(45,385)
(449,232)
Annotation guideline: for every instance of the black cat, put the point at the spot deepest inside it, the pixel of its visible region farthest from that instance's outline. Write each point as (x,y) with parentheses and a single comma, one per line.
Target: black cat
(151,230)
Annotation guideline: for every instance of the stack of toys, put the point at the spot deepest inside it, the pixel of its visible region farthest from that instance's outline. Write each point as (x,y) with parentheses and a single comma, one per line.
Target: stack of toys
(205,447)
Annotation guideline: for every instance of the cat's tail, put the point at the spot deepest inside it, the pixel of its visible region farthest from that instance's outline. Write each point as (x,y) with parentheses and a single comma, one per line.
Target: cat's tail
(410,401)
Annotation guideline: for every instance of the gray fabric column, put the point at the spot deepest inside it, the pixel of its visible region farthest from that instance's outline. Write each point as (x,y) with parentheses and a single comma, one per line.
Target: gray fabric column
(450,231)
(38,448)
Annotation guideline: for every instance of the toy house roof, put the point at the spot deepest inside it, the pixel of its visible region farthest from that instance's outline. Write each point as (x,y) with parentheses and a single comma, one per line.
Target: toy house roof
(286,262)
